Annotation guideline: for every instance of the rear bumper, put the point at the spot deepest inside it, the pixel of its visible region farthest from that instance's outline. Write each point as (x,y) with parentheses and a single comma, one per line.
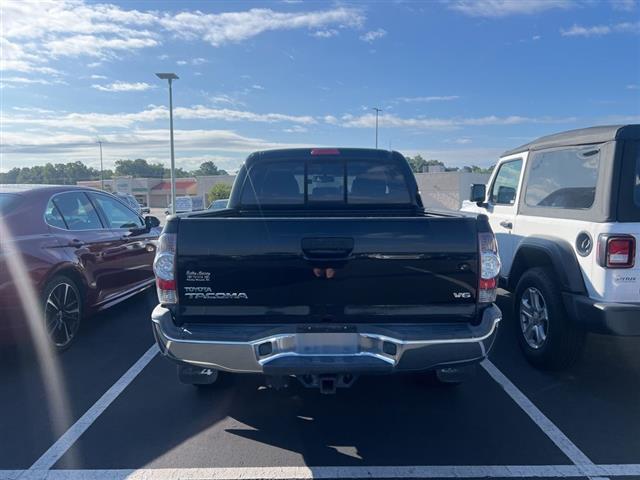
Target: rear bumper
(602,317)
(325,348)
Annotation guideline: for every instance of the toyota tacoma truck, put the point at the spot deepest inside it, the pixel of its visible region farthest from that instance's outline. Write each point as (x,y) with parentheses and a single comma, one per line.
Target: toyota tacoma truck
(325,266)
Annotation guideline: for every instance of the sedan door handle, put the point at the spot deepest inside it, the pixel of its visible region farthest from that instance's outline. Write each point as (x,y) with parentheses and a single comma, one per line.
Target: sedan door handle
(506,224)
(76,243)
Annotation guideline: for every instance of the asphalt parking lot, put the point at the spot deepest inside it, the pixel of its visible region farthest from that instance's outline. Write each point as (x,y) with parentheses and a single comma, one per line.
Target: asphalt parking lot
(129,416)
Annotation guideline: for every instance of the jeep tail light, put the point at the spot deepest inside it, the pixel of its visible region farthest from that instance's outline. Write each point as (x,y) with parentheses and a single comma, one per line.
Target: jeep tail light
(164,266)
(616,251)
(489,267)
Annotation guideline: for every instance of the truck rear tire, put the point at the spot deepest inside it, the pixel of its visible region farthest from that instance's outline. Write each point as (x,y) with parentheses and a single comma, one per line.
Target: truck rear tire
(549,339)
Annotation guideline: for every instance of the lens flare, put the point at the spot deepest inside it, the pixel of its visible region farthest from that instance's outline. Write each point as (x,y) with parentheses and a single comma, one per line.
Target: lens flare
(51,374)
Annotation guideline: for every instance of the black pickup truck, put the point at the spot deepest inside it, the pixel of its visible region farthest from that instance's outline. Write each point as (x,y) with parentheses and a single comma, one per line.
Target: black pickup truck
(325,266)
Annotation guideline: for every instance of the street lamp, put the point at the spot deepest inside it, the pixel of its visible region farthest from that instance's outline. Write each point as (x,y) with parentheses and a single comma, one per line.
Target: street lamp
(378,110)
(170,77)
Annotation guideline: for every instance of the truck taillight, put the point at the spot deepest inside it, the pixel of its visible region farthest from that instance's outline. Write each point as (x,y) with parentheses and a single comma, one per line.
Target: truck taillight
(616,251)
(164,266)
(489,268)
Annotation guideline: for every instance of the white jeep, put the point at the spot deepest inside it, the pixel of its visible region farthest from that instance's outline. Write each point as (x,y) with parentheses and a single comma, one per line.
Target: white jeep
(566,213)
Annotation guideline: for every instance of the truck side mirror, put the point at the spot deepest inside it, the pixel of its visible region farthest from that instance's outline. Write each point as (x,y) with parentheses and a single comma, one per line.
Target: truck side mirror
(478,194)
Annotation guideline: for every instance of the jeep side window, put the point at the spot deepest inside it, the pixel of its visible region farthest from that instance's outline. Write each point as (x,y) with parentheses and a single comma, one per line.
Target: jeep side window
(563,178)
(503,190)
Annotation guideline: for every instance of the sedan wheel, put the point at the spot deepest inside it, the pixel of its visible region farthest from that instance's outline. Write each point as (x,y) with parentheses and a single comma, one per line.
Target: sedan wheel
(62,314)
(534,318)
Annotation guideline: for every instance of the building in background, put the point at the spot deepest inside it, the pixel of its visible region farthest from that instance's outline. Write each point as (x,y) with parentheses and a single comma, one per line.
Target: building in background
(439,189)
(156,192)
(447,190)
(205,183)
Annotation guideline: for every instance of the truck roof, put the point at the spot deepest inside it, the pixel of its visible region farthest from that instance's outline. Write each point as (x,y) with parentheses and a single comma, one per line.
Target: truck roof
(582,136)
(292,153)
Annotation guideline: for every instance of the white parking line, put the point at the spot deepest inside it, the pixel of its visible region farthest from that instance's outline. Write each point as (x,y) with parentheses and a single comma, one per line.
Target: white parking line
(306,473)
(60,447)
(583,466)
(540,419)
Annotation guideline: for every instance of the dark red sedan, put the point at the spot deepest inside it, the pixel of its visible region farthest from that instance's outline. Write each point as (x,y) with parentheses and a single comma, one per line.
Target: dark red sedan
(65,252)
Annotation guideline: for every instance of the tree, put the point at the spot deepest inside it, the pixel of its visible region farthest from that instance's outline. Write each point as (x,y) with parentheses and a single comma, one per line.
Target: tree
(219,191)
(180,173)
(139,168)
(60,173)
(418,163)
(208,168)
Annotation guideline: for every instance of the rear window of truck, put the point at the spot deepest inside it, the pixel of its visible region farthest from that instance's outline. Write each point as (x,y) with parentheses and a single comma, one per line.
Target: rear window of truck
(325,181)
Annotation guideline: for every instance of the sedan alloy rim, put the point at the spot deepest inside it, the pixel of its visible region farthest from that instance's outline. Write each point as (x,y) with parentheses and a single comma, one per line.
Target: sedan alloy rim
(62,314)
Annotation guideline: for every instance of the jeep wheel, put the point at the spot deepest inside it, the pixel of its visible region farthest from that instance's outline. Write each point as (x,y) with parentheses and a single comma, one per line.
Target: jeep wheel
(547,336)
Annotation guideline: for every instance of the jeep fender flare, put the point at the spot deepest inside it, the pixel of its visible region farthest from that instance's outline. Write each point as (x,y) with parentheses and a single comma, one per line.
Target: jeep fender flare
(551,252)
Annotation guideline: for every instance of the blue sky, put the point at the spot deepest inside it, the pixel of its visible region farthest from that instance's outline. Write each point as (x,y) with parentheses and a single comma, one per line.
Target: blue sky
(458,81)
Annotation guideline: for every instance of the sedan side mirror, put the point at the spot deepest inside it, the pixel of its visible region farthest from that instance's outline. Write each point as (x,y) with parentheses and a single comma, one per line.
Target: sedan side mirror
(151,222)
(478,194)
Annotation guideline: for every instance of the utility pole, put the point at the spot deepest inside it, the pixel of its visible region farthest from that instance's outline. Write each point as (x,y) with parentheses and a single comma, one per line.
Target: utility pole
(378,110)
(101,169)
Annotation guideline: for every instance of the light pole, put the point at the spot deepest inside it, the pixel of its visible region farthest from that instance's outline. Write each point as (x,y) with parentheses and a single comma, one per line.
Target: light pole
(101,169)
(378,110)
(170,77)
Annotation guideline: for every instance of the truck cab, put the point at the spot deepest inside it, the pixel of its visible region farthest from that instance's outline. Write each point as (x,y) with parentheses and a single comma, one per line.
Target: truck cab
(565,210)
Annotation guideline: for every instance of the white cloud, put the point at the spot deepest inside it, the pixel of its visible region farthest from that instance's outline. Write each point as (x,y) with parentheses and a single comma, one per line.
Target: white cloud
(257,87)
(420,123)
(504,8)
(32,110)
(94,46)
(442,98)
(119,86)
(624,5)
(92,121)
(230,27)
(223,99)
(29,148)
(295,129)
(599,30)
(193,61)
(332,32)
(37,32)
(373,35)
(97,77)
(633,86)
(30,81)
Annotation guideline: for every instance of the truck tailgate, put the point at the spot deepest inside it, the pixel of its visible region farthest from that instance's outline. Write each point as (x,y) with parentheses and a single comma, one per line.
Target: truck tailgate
(341,270)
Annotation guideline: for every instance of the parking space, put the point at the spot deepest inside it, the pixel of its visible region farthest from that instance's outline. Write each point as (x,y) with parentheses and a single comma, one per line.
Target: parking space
(397,423)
